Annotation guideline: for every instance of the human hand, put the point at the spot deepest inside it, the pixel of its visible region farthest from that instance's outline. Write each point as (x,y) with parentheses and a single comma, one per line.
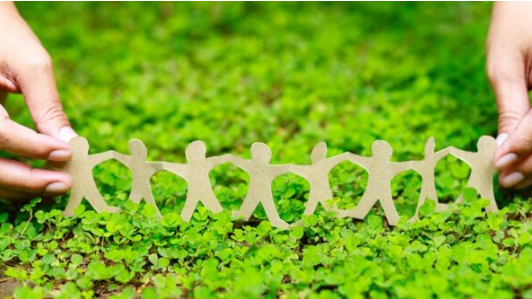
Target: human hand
(26,68)
(509,67)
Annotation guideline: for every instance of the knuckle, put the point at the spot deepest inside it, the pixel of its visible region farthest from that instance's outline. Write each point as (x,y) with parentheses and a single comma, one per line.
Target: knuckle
(499,73)
(53,114)
(523,144)
(32,181)
(525,167)
(40,62)
(4,140)
(508,119)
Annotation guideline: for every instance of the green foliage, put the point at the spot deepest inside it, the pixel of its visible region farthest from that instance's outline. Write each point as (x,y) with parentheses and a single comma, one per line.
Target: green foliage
(290,75)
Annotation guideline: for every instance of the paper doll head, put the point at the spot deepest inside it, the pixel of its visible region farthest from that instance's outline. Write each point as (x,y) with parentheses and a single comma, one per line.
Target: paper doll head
(79,146)
(319,153)
(429,147)
(196,151)
(261,152)
(487,145)
(138,149)
(381,149)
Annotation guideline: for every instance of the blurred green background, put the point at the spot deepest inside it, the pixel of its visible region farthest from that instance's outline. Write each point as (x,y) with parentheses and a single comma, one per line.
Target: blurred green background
(289,74)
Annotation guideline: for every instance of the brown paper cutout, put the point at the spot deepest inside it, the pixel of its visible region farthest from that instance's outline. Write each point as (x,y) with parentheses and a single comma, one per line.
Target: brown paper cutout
(196,172)
(482,171)
(261,175)
(381,171)
(426,169)
(317,175)
(83,185)
(141,172)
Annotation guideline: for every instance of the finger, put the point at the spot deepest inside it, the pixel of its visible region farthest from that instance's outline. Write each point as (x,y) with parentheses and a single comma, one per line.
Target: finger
(38,86)
(26,142)
(15,176)
(517,145)
(506,73)
(518,174)
(6,85)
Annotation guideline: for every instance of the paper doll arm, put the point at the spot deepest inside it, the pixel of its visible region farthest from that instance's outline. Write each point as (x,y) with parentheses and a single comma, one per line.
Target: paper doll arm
(360,160)
(215,161)
(299,169)
(124,159)
(417,165)
(402,166)
(156,166)
(335,160)
(461,154)
(444,152)
(179,169)
(239,162)
(280,169)
(96,159)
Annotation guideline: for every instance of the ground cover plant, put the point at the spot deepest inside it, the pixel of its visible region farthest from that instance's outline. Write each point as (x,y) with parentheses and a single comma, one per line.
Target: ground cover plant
(290,75)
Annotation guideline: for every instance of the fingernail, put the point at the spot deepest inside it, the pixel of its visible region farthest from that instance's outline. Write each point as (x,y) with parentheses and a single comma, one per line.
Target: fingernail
(505,161)
(67,134)
(512,179)
(55,188)
(501,138)
(60,155)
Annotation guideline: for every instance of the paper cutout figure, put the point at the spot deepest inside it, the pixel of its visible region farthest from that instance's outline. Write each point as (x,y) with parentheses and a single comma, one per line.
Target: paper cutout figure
(317,174)
(261,176)
(141,171)
(196,173)
(83,185)
(482,170)
(381,172)
(426,169)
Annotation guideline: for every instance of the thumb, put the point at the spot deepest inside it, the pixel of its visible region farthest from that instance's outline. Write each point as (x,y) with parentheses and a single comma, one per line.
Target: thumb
(515,119)
(37,84)
(509,85)
(517,145)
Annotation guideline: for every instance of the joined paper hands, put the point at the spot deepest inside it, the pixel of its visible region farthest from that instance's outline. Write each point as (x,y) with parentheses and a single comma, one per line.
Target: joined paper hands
(196,173)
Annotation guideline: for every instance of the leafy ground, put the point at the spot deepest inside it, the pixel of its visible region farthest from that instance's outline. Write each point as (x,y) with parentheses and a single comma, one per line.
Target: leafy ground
(290,75)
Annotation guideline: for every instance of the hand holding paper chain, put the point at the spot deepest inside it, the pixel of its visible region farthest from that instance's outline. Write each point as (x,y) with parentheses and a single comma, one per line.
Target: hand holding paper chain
(196,172)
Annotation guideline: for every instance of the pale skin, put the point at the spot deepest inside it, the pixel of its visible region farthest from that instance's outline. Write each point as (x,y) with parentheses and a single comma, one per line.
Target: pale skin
(26,67)
(509,67)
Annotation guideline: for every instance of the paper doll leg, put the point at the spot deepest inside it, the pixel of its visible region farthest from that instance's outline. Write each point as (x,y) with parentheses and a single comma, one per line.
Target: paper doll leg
(311,205)
(135,195)
(189,208)
(487,193)
(492,206)
(212,203)
(151,201)
(94,197)
(389,210)
(361,210)
(273,216)
(73,202)
(423,197)
(318,197)
(247,208)
(440,207)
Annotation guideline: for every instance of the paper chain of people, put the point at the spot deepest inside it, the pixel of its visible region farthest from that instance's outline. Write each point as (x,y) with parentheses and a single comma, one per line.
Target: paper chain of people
(196,172)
